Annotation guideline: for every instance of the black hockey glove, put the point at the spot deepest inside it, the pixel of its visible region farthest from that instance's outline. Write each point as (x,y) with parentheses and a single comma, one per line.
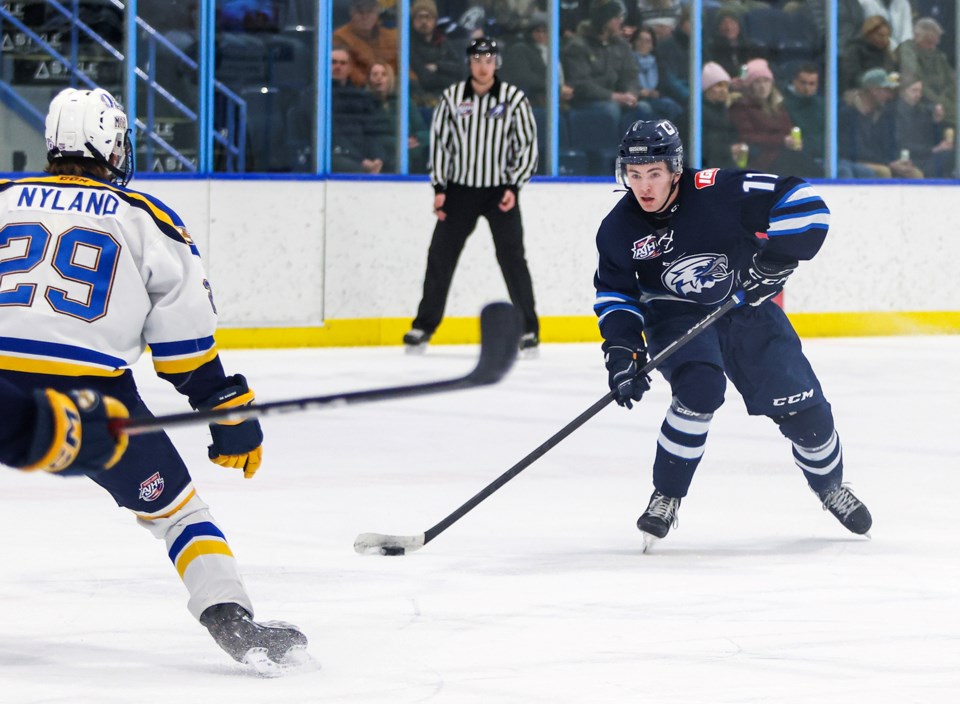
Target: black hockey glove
(622,366)
(236,445)
(765,278)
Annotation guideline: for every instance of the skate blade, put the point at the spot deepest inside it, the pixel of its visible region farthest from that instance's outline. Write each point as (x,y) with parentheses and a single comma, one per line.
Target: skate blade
(648,542)
(415,349)
(295,661)
(529,353)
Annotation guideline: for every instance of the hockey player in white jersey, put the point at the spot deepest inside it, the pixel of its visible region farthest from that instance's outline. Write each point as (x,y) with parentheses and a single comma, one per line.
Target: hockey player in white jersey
(90,273)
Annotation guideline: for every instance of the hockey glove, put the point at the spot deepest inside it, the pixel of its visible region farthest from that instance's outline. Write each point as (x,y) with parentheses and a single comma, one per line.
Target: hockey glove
(765,278)
(622,366)
(72,436)
(236,444)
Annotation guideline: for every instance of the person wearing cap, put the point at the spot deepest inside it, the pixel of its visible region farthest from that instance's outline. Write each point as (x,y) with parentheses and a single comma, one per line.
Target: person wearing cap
(367,41)
(866,131)
(764,123)
(483,150)
(433,59)
(525,63)
(722,147)
(872,49)
(921,57)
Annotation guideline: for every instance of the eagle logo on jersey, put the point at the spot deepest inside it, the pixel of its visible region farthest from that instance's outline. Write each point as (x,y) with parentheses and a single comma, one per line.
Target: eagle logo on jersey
(646,248)
(702,278)
(151,487)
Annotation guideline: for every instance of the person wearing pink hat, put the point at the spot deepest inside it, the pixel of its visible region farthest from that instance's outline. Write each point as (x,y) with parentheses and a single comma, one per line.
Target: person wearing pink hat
(764,124)
(722,147)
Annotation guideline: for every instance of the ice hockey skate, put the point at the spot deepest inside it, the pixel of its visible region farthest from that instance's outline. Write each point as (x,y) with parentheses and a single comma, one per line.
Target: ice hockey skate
(847,509)
(416,341)
(271,648)
(658,519)
(529,346)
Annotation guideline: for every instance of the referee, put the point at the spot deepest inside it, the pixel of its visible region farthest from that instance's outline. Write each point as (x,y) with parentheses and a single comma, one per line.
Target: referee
(483,149)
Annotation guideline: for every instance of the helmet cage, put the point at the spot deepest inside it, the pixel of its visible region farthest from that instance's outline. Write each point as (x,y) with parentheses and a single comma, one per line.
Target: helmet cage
(90,124)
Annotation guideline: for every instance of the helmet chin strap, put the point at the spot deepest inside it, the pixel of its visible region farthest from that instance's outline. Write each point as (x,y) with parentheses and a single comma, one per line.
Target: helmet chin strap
(666,201)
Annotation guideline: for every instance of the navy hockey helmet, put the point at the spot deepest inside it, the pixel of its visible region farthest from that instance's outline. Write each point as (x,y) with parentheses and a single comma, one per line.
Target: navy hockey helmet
(485,46)
(647,142)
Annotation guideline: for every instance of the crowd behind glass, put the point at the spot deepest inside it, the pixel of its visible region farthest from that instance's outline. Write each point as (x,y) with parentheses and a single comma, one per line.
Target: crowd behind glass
(765,102)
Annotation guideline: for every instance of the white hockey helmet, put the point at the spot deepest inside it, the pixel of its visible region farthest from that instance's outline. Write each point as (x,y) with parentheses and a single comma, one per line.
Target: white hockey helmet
(90,124)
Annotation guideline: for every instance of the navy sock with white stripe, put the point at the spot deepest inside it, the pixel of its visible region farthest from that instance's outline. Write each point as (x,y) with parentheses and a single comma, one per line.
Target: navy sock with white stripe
(816,446)
(680,447)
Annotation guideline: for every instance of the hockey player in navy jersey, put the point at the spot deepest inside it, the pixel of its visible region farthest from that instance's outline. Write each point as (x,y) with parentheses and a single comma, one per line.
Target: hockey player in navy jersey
(92,272)
(677,245)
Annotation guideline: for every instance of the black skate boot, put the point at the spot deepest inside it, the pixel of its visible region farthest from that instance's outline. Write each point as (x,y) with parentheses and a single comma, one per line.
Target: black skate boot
(529,346)
(271,648)
(658,519)
(416,341)
(847,509)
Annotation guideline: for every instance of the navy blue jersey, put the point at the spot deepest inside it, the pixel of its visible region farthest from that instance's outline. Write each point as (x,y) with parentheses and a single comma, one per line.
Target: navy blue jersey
(719,220)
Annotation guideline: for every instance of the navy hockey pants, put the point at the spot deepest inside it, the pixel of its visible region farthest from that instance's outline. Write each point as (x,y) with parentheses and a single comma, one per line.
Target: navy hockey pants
(756,347)
(151,473)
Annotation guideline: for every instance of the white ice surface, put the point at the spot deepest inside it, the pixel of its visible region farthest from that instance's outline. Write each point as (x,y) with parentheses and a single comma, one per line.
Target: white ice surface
(541,593)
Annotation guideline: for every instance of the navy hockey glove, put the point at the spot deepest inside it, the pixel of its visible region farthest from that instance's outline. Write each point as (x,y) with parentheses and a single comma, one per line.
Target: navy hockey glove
(765,278)
(622,366)
(237,444)
(72,436)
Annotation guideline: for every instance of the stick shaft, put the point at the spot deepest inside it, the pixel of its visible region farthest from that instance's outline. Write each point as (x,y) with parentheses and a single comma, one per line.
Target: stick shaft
(499,344)
(568,429)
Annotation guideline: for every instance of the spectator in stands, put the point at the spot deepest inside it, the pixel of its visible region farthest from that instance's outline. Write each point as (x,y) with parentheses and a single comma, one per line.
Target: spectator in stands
(433,59)
(599,66)
(722,147)
(763,122)
(385,122)
(867,130)
(366,40)
(945,13)
(920,57)
(725,44)
(920,130)
(673,54)
(870,50)
(525,64)
(898,15)
(807,109)
(648,77)
(353,148)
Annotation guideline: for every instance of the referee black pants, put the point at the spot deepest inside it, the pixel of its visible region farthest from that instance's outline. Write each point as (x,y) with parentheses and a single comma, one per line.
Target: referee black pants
(463,207)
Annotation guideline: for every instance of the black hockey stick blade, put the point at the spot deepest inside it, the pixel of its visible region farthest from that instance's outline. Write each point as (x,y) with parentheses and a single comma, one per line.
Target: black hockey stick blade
(380,544)
(499,345)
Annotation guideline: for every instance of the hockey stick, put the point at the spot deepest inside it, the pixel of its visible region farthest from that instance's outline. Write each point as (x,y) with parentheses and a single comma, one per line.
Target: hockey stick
(499,344)
(380,544)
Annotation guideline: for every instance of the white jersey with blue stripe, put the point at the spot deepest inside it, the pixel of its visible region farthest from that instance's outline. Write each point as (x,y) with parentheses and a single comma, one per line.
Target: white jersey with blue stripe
(91,273)
(719,220)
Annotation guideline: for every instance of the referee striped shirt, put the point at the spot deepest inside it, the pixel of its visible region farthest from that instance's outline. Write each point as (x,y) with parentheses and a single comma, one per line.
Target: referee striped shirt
(482,140)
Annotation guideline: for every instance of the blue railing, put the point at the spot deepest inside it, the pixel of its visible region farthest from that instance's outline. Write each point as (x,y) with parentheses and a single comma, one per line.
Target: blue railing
(231,137)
